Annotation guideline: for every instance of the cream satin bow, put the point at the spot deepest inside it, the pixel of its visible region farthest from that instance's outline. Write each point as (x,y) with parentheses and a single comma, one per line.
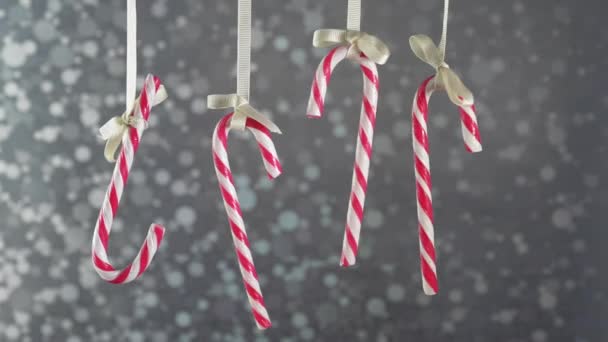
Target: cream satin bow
(425,49)
(113,130)
(375,49)
(242,110)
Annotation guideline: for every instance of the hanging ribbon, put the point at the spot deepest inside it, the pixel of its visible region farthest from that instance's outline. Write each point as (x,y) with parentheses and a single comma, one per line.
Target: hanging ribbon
(240,100)
(426,50)
(131,88)
(360,42)
(113,130)
(242,110)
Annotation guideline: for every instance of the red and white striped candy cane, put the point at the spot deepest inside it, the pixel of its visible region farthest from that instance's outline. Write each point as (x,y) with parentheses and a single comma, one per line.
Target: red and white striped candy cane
(472,142)
(103,227)
(233,208)
(363,152)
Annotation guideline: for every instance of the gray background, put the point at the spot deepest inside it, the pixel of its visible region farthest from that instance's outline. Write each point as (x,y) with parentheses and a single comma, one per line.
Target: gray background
(520,227)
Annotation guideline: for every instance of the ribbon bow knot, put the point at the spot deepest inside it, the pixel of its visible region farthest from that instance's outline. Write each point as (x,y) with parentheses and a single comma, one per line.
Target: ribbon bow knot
(360,42)
(426,50)
(113,130)
(242,110)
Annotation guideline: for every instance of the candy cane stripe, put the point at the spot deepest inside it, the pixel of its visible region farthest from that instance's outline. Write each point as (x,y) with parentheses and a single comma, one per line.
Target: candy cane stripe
(371,75)
(322,77)
(109,208)
(233,208)
(470,129)
(420,143)
(363,150)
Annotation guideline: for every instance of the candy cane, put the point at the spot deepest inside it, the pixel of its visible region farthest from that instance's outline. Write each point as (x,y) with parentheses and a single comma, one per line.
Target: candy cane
(472,142)
(233,208)
(103,227)
(363,152)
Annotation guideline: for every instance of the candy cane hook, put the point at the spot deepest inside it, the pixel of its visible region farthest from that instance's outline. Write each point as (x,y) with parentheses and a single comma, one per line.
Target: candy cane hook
(363,152)
(233,208)
(150,95)
(472,142)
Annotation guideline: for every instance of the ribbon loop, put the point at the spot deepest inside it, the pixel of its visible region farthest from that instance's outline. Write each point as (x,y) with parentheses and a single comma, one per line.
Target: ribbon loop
(373,48)
(113,130)
(425,49)
(242,110)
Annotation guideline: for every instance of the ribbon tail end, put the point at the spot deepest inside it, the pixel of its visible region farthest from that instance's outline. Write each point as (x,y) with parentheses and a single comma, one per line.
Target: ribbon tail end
(161,95)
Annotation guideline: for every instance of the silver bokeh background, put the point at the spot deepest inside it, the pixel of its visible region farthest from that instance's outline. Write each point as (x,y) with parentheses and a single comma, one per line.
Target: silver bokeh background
(520,227)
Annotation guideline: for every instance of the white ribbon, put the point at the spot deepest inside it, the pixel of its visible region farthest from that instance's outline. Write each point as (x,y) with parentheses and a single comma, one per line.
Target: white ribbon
(444,30)
(425,49)
(360,42)
(113,130)
(242,110)
(240,100)
(131,88)
(354,15)
(243,64)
